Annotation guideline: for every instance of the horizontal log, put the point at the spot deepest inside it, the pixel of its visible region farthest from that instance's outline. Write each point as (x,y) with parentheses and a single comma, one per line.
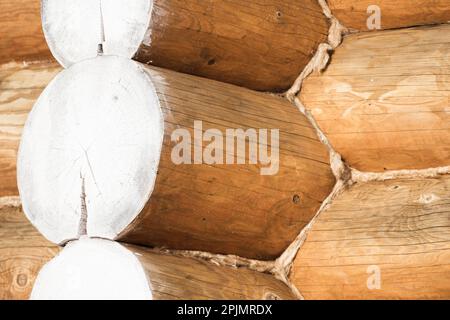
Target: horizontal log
(380,240)
(394,14)
(23,252)
(21,36)
(208,207)
(383,100)
(204,207)
(173,277)
(259,45)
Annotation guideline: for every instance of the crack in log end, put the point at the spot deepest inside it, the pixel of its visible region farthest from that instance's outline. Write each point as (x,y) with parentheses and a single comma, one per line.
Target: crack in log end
(82,226)
(102,31)
(100,49)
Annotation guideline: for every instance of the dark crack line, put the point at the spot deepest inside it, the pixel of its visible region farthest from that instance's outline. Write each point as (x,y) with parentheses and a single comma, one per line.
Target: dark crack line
(82,226)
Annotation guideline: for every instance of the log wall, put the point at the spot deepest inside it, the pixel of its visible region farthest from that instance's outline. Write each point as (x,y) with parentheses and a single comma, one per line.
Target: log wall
(195,206)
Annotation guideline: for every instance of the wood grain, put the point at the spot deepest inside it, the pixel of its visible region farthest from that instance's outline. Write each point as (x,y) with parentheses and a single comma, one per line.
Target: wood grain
(394,14)
(217,208)
(23,251)
(173,277)
(262,45)
(400,226)
(21,36)
(383,101)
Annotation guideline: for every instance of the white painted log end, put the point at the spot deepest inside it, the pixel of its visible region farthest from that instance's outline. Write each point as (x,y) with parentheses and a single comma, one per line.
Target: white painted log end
(98,123)
(73,29)
(91,269)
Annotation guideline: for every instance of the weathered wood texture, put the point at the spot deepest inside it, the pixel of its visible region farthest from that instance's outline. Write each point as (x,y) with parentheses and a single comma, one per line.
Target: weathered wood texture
(394,14)
(21,36)
(383,101)
(400,226)
(20,86)
(23,251)
(217,208)
(173,277)
(262,45)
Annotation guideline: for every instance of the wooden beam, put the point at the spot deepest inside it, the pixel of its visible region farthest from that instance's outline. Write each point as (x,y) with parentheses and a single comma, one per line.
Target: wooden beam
(399,228)
(383,100)
(21,36)
(394,14)
(259,45)
(208,207)
(23,252)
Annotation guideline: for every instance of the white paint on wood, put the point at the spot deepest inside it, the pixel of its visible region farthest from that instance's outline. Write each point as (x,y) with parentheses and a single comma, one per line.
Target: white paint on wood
(73,28)
(92,269)
(99,120)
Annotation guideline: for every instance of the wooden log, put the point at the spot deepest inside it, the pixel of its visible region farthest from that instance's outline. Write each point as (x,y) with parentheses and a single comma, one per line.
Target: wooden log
(394,14)
(380,240)
(383,100)
(262,46)
(258,45)
(21,36)
(23,252)
(209,207)
(173,277)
